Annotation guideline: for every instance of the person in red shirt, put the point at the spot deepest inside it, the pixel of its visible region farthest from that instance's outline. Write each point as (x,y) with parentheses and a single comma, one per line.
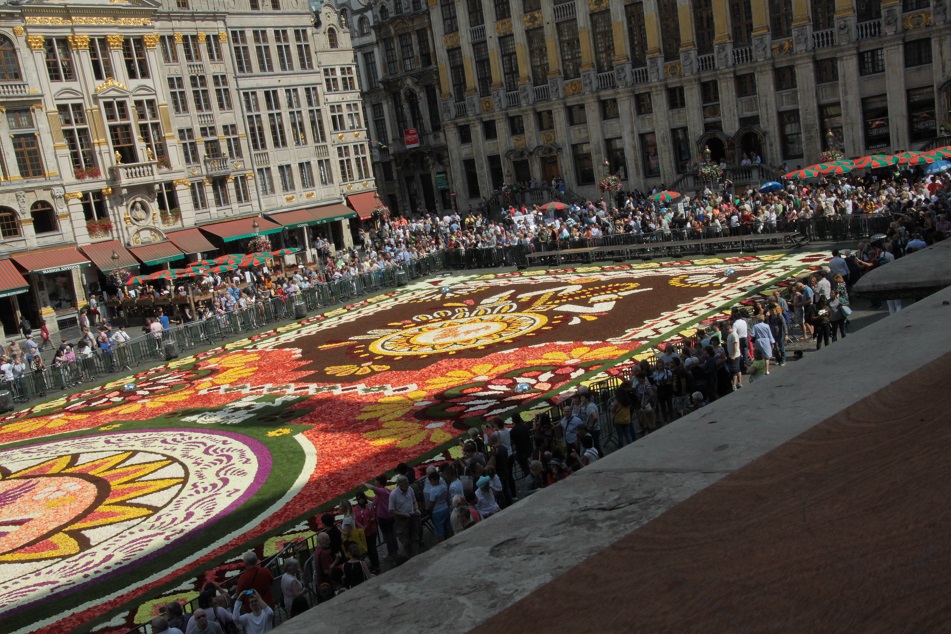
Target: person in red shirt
(256,578)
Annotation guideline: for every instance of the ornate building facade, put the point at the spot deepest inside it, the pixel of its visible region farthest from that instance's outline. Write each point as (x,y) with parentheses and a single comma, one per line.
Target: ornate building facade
(392,41)
(142,132)
(646,89)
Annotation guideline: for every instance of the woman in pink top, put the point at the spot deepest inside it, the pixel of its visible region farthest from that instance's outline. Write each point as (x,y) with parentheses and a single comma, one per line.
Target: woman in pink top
(385,521)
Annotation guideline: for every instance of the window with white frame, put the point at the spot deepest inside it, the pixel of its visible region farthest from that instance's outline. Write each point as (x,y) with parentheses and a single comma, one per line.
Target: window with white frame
(265,181)
(304,57)
(306,171)
(337,121)
(199,199)
(283,42)
(286,174)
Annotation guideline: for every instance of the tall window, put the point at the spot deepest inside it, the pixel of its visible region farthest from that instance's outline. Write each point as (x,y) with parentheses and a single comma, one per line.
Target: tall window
(570,49)
(348,81)
(503,10)
(265,181)
(827,70)
(823,14)
(389,54)
(94,206)
(44,218)
(872,62)
(296,116)
(232,140)
(741,18)
(59,59)
(370,71)
(191,48)
(283,41)
(186,137)
(584,166)
(150,126)
(332,38)
(306,171)
(509,62)
(99,58)
(275,118)
(830,118)
(304,58)
(780,18)
(242,53)
(680,145)
(136,63)
(255,123)
(457,74)
(9,223)
(360,161)
(704,29)
(331,81)
(325,172)
(200,94)
(9,64)
(213,44)
(476,15)
(354,116)
(921,114)
(72,118)
(219,187)
(209,136)
(346,166)
(450,24)
(917,52)
(263,51)
(407,54)
(120,130)
(199,199)
(286,174)
(169,49)
(337,121)
(636,33)
(242,193)
(785,78)
(669,29)
(317,130)
(868,10)
(379,122)
(649,158)
(483,68)
(790,132)
(222,92)
(746,85)
(537,55)
(603,40)
(425,53)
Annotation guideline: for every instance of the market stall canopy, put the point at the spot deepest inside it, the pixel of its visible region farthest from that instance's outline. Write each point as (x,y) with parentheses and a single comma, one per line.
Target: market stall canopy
(329,213)
(101,255)
(11,282)
(296,218)
(364,204)
(190,241)
(242,228)
(158,253)
(51,260)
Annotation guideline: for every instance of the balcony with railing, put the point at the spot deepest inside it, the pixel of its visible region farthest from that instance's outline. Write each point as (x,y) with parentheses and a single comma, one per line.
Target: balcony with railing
(14,89)
(706,62)
(564,11)
(219,165)
(460,109)
(823,39)
(640,75)
(133,173)
(868,30)
(262,158)
(542,93)
(477,33)
(743,55)
(512,99)
(606,80)
(206,118)
(321,151)
(195,69)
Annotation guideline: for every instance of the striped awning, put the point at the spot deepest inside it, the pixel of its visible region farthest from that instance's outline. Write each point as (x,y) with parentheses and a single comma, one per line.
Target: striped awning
(242,228)
(158,253)
(11,282)
(51,260)
(364,204)
(101,255)
(329,213)
(296,218)
(191,241)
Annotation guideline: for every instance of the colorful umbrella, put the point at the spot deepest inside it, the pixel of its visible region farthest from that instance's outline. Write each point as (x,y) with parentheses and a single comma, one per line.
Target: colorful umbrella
(914,158)
(221,268)
(164,274)
(255,259)
(228,259)
(838,168)
(554,206)
(807,172)
(138,279)
(770,187)
(666,196)
(282,252)
(191,271)
(875,161)
(941,152)
(937,167)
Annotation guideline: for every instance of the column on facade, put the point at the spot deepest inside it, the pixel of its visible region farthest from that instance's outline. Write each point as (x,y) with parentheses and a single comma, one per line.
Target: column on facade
(895,89)
(585,41)
(850,100)
(801,12)
(695,127)
(721,21)
(654,54)
(760,17)
(766,97)
(619,32)
(521,52)
(685,21)
(463,39)
(551,39)
(625,104)
(808,109)
(729,113)
(439,36)
(668,170)
(563,136)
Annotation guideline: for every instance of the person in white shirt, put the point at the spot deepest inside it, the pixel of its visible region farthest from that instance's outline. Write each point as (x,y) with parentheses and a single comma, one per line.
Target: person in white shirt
(741,328)
(259,618)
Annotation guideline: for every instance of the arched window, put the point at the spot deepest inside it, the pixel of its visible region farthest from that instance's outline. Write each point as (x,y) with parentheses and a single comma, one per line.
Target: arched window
(344,19)
(332,38)
(9,65)
(384,14)
(9,223)
(364,26)
(44,218)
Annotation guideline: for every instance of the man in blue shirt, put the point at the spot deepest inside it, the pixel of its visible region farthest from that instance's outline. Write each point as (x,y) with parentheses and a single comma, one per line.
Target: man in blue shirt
(163,318)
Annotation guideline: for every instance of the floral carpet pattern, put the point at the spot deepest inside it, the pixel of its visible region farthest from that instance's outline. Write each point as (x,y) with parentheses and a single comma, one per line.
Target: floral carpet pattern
(152,484)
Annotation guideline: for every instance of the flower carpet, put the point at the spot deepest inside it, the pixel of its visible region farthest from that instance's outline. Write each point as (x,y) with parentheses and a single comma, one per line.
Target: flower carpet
(137,492)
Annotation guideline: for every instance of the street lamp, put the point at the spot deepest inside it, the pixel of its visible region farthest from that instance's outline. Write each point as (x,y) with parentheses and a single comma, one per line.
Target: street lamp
(115,259)
(256,226)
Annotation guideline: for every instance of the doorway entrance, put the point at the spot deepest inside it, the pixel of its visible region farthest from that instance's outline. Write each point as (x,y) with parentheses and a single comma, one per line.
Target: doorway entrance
(550,169)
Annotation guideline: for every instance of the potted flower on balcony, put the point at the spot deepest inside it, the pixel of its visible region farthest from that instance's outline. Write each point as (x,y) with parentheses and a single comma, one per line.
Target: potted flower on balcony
(831,156)
(163,162)
(98,227)
(259,244)
(170,216)
(609,184)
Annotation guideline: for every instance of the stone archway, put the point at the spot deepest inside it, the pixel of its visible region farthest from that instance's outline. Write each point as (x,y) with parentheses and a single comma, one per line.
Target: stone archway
(719,146)
(750,141)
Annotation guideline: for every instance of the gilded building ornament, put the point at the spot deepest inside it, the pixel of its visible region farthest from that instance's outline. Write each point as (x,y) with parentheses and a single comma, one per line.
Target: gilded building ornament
(290,198)
(78,42)
(432,3)
(37,106)
(110,83)
(597,5)
(222,36)
(531,20)
(503,27)
(85,21)
(178,38)
(673,69)
(357,135)
(486,105)
(310,195)
(18,31)
(518,142)
(206,181)
(249,175)
(548,137)
(917,20)
(151,40)
(73,196)
(573,87)
(35,42)
(202,37)
(341,137)
(115,41)
(782,47)
(451,40)
(181,182)
(107,191)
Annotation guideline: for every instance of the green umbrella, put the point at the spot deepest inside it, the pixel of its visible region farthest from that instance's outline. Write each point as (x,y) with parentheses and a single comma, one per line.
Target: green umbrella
(666,196)
(914,158)
(228,259)
(138,279)
(554,206)
(940,153)
(802,174)
(837,168)
(191,271)
(282,252)
(221,268)
(164,274)
(875,161)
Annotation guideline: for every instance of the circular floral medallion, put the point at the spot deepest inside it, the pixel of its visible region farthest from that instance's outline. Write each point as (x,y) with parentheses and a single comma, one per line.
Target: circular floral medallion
(74,511)
(453,335)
